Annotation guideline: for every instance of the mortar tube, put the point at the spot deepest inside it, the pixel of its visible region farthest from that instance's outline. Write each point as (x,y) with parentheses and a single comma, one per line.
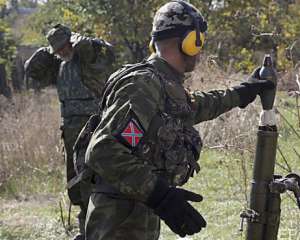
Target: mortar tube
(263,172)
(273,216)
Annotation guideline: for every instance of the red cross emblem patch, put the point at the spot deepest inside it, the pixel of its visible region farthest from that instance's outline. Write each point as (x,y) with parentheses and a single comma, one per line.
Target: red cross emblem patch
(131,135)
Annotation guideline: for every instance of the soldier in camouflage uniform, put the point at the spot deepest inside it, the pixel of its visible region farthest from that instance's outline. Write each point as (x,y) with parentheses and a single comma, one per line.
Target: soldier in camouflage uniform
(79,66)
(145,145)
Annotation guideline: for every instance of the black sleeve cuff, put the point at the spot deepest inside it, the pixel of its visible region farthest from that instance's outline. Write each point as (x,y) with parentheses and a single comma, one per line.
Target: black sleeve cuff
(158,194)
(245,93)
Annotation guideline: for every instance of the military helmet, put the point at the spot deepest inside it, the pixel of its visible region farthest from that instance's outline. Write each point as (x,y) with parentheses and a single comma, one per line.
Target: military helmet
(58,36)
(174,18)
(179,19)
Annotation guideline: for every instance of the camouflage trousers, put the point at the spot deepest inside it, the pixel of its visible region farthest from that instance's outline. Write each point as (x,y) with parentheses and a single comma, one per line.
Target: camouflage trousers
(78,194)
(110,218)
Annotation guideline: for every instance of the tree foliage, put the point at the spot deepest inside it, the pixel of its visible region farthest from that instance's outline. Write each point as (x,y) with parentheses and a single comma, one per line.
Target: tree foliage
(125,23)
(239,31)
(7,42)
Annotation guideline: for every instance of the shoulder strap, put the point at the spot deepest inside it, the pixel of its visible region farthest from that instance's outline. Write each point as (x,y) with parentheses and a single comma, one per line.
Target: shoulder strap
(119,76)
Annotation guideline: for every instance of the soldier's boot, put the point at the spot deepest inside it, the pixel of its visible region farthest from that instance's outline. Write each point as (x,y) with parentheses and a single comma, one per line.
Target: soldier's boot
(81,219)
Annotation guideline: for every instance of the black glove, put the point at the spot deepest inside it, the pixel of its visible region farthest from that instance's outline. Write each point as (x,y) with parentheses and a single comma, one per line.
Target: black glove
(171,205)
(253,87)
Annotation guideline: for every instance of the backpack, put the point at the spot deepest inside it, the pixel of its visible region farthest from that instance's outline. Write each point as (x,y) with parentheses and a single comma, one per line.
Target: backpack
(83,172)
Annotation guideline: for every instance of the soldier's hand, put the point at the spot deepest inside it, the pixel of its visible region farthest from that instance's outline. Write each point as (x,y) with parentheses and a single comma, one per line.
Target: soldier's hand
(267,95)
(171,205)
(254,76)
(252,87)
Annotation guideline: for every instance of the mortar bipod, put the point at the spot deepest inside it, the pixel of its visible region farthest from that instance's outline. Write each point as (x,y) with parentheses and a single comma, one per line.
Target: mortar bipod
(290,182)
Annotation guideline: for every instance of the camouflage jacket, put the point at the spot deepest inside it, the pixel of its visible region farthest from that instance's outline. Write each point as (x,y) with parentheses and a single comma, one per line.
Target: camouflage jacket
(96,59)
(79,81)
(146,130)
(41,69)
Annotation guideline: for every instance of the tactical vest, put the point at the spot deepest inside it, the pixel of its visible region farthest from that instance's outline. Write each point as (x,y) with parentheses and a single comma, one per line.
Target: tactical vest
(75,99)
(170,143)
(83,172)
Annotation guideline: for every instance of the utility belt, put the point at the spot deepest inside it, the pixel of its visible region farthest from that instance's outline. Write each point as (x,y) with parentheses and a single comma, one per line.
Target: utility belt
(78,107)
(100,186)
(107,189)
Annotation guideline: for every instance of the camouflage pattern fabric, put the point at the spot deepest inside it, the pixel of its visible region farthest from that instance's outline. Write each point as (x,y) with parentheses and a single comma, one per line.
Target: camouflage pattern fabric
(58,36)
(79,84)
(75,98)
(70,131)
(147,117)
(96,61)
(41,69)
(172,15)
(110,218)
(174,18)
(79,194)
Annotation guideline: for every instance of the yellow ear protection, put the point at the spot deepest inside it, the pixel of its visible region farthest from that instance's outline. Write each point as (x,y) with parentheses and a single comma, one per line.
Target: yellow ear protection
(152,46)
(189,44)
(193,39)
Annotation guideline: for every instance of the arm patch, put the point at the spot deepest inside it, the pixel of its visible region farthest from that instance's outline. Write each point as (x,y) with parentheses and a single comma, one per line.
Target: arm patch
(131,133)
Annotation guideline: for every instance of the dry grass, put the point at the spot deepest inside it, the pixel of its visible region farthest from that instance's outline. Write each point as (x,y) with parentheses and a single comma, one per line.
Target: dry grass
(235,129)
(30,135)
(30,139)
(31,161)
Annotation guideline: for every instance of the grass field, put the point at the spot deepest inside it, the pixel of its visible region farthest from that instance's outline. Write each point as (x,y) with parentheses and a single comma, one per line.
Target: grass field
(32,195)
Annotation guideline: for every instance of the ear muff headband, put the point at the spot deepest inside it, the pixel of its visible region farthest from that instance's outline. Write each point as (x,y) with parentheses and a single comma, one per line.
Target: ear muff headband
(152,46)
(192,41)
(188,44)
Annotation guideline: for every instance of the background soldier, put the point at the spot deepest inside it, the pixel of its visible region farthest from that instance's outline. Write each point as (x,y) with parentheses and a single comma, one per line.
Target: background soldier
(145,145)
(79,66)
